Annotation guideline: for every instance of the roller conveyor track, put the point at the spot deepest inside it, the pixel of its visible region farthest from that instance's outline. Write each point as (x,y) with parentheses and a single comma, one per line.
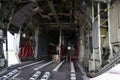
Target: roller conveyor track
(65,67)
(7,70)
(49,68)
(27,72)
(63,72)
(24,70)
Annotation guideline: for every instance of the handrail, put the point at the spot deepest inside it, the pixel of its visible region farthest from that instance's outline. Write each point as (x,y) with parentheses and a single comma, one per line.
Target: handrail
(108,66)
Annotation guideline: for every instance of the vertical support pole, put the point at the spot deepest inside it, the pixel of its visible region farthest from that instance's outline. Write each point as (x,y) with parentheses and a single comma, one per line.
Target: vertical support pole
(99,34)
(0,5)
(93,12)
(6,49)
(79,45)
(60,40)
(36,39)
(92,28)
(109,38)
(82,48)
(88,42)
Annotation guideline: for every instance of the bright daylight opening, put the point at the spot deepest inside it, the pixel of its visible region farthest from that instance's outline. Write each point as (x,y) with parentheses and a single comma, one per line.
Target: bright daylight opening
(12,57)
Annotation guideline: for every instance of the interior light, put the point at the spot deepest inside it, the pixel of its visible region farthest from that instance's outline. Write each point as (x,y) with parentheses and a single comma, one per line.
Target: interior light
(69,47)
(24,35)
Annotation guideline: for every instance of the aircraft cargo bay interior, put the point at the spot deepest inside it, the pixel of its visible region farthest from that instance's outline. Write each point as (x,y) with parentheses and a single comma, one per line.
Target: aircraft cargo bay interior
(59,39)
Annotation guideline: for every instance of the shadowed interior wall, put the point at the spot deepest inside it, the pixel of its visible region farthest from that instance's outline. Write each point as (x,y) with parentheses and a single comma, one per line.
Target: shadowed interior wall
(42,46)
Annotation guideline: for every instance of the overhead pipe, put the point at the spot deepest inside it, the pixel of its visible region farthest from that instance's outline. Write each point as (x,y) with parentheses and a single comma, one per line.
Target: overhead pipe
(60,14)
(51,5)
(105,1)
(47,17)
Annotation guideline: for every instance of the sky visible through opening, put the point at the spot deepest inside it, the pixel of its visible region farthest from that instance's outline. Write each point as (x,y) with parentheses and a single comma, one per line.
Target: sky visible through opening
(11,50)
